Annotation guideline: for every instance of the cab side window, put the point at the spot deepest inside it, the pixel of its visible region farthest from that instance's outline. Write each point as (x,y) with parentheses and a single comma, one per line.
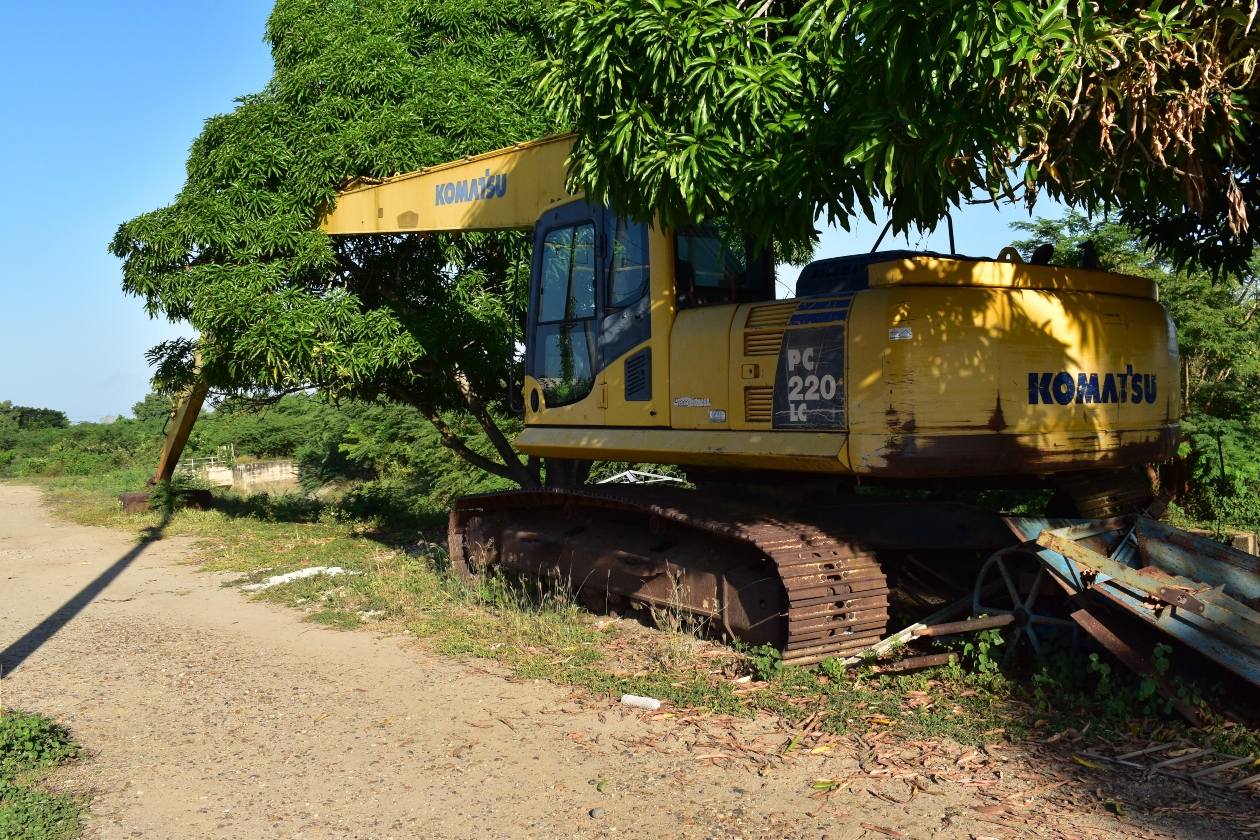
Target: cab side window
(564,359)
(714,264)
(628,273)
(568,274)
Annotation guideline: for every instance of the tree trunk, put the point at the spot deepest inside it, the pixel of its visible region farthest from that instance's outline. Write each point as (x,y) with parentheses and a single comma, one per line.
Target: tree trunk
(567,472)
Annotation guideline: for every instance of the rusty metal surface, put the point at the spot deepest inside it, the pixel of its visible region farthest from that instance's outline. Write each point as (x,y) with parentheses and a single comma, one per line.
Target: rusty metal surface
(139,502)
(917,663)
(134,503)
(1191,590)
(954,627)
(924,455)
(836,596)
(907,633)
(1191,602)
(1098,494)
(1189,555)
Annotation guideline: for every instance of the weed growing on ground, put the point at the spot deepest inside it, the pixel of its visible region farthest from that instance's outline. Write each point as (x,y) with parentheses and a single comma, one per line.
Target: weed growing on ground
(30,746)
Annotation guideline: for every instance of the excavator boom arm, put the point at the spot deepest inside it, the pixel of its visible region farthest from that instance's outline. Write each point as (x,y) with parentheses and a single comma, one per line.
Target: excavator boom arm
(506,189)
(181,426)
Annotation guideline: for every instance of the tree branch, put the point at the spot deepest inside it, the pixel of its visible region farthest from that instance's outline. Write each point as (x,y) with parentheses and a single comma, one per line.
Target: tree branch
(520,473)
(449,438)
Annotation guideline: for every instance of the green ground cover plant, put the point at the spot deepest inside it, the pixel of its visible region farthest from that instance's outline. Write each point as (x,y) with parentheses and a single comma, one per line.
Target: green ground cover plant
(30,747)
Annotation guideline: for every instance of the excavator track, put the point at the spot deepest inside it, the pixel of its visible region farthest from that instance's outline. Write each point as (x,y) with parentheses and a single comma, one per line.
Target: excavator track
(753,571)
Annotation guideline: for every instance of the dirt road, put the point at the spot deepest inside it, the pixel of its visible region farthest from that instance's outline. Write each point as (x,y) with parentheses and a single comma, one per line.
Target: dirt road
(210,716)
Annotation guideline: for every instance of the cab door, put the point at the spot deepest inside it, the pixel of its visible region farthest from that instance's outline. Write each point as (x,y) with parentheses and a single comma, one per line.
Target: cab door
(564,384)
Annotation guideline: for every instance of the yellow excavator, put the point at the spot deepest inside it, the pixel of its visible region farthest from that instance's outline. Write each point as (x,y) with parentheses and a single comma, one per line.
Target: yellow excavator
(887,369)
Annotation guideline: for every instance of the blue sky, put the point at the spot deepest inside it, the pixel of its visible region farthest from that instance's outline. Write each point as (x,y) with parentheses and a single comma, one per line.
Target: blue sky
(101,102)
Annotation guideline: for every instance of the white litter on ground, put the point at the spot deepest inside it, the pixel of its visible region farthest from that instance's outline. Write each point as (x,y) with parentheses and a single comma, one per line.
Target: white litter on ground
(649,703)
(330,571)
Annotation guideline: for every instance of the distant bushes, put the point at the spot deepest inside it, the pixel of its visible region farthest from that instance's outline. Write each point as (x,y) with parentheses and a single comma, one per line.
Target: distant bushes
(85,449)
(25,417)
(380,463)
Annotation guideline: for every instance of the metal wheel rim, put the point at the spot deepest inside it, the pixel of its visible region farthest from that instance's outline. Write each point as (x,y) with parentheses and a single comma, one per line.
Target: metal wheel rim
(1026,619)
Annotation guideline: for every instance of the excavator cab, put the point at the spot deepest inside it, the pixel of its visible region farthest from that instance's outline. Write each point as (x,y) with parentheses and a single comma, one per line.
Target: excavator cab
(591,300)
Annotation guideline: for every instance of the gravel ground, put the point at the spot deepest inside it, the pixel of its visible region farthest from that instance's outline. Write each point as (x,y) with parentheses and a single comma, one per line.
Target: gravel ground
(210,716)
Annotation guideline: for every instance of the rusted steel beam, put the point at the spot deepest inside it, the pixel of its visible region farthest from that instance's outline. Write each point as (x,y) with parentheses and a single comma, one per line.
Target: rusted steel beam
(1214,607)
(967,626)
(1190,555)
(915,663)
(1228,632)
(902,636)
(1150,586)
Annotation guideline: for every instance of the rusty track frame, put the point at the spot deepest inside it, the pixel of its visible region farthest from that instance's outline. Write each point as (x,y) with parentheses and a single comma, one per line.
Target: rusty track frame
(836,591)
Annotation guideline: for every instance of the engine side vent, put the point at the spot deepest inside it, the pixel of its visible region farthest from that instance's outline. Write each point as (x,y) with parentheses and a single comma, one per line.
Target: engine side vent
(764,328)
(773,315)
(639,376)
(762,342)
(758,404)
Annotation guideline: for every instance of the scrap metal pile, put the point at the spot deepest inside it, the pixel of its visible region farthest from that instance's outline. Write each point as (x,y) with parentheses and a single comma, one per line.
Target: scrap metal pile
(1123,577)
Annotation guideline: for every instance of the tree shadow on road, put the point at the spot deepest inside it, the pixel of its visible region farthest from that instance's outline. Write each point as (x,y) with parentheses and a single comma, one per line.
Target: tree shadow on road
(18,652)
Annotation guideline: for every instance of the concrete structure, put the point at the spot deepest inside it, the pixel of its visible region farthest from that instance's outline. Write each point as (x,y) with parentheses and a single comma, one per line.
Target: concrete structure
(1245,541)
(265,477)
(219,475)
